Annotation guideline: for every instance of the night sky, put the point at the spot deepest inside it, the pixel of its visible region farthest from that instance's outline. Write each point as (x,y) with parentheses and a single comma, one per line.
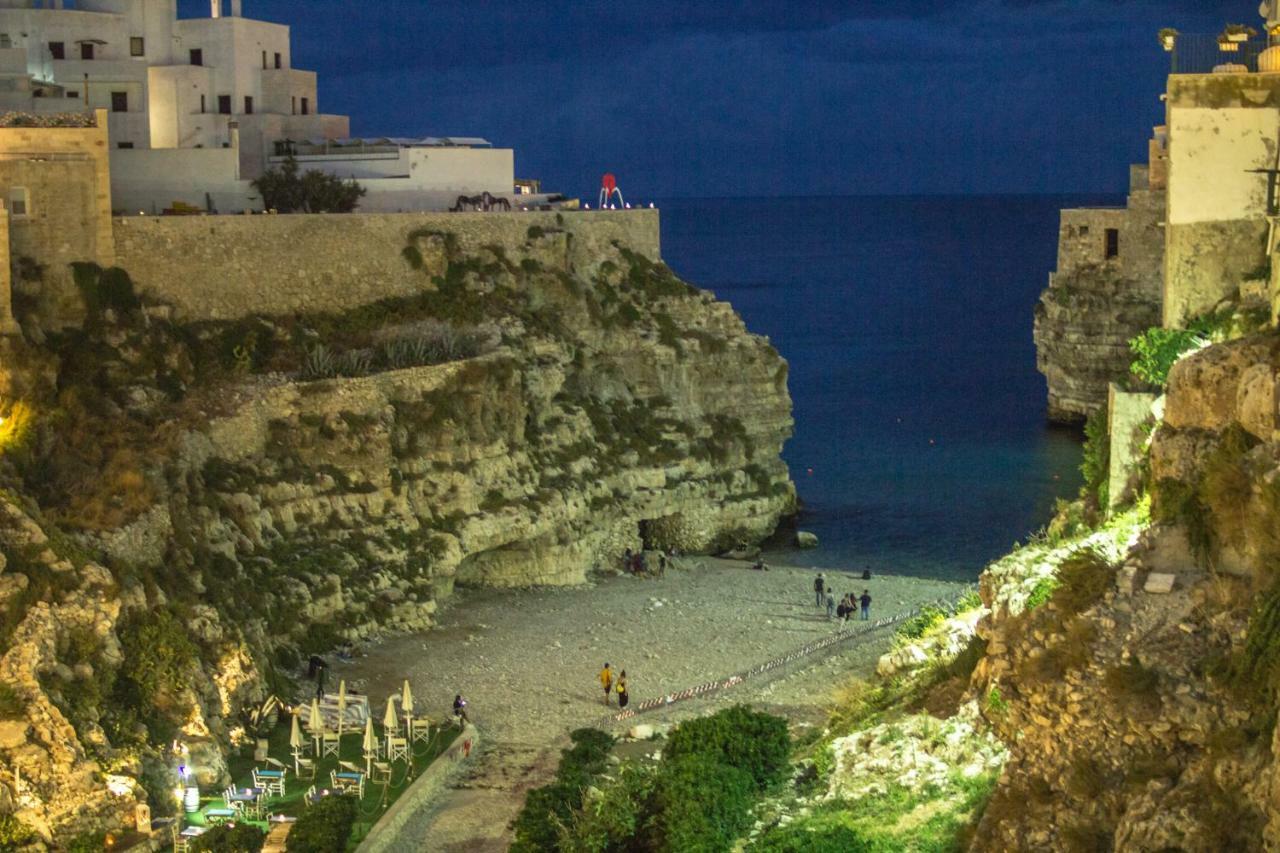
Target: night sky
(760,97)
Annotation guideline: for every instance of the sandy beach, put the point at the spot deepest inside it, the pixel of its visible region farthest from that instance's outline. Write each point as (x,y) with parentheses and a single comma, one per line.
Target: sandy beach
(527,662)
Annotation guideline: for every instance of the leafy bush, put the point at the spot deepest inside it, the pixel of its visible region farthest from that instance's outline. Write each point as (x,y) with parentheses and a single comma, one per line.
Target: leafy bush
(758,744)
(1096,463)
(1156,350)
(611,819)
(324,827)
(241,838)
(700,803)
(159,659)
(289,190)
(1083,579)
(14,833)
(549,809)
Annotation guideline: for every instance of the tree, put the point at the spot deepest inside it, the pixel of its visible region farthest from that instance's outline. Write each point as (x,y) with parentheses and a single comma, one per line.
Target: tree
(290,190)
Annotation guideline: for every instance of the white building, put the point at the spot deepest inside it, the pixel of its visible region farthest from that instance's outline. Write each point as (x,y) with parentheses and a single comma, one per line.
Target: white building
(199,107)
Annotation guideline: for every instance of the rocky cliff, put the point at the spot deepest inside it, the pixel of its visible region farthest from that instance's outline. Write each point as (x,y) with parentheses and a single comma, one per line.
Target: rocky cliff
(1105,292)
(191,508)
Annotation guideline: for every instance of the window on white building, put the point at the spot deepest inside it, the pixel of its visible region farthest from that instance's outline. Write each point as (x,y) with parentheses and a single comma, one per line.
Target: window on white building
(72,93)
(19,202)
(86,50)
(197,56)
(58,50)
(125,146)
(119,102)
(137,46)
(279,61)
(248,105)
(306,106)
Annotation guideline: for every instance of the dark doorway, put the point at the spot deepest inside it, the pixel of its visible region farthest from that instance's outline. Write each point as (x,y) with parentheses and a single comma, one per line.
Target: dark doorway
(1113,243)
(119,102)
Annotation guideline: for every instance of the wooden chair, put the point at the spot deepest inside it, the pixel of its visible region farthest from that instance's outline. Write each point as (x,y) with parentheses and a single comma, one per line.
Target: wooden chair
(331,744)
(420,730)
(304,768)
(381,772)
(397,749)
(179,843)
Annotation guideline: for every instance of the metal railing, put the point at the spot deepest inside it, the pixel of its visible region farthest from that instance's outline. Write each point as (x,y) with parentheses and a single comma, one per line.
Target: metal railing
(862,630)
(1200,53)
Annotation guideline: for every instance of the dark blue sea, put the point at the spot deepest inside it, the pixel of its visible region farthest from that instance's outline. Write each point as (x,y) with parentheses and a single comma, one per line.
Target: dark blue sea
(921,443)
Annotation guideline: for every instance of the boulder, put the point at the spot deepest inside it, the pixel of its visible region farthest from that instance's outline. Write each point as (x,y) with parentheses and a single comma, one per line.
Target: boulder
(806,540)
(641,732)
(1160,583)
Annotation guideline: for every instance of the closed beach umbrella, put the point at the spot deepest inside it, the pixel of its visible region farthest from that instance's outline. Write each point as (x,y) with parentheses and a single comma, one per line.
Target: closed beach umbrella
(342,703)
(316,723)
(295,735)
(370,745)
(389,720)
(406,699)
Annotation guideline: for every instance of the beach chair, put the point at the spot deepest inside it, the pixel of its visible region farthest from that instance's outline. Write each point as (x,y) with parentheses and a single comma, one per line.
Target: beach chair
(330,744)
(275,764)
(271,781)
(309,798)
(420,730)
(381,772)
(397,749)
(179,843)
(304,768)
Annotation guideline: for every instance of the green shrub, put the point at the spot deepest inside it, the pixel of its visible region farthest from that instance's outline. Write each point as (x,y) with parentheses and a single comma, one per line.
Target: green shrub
(614,817)
(549,810)
(14,833)
(758,744)
(1254,671)
(1095,465)
(324,827)
(1156,350)
(1083,579)
(1226,484)
(700,803)
(1176,502)
(159,661)
(242,838)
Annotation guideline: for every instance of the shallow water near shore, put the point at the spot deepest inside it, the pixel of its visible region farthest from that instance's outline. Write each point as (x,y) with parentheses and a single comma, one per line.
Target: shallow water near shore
(921,445)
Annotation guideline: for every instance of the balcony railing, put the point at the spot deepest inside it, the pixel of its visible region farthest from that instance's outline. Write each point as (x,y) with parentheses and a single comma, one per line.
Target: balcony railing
(1201,53)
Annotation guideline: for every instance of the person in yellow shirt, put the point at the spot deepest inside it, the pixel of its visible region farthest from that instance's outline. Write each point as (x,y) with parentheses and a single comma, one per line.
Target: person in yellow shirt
(606,679)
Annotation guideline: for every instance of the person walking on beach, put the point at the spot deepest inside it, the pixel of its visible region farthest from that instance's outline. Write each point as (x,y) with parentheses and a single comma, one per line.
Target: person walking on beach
(866,604)
(623,696)
(819,590)
(606,679)
(460,710)
(831,603)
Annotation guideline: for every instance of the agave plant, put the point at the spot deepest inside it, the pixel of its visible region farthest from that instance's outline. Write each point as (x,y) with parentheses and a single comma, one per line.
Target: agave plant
(320,363)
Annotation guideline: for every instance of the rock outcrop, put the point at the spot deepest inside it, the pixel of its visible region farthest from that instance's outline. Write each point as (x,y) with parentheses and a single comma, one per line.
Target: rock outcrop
(239,495)
(1106,291)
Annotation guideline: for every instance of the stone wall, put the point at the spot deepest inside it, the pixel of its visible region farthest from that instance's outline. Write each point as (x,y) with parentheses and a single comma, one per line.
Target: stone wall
(1096,304)
(1127,413)
(1224,131)
(66,178)
(223,268)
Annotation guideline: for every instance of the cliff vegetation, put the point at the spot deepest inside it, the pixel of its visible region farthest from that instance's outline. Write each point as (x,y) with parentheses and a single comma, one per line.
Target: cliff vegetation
(188,510)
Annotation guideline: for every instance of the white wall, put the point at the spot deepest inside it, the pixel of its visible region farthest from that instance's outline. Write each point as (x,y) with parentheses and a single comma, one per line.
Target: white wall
(150,181)
(1211,153)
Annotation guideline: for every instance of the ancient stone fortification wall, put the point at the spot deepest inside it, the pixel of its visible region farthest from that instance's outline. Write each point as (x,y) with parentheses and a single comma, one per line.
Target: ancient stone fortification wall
(1222,130)
(226,267)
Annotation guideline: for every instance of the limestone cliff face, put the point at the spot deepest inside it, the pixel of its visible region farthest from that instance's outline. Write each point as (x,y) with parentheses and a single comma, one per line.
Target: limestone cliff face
(1105,292)
(1140,707)
(238,495)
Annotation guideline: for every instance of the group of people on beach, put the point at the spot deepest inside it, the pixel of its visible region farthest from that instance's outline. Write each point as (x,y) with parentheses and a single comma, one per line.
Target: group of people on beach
(612,685)
(851,604)
(637,564)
